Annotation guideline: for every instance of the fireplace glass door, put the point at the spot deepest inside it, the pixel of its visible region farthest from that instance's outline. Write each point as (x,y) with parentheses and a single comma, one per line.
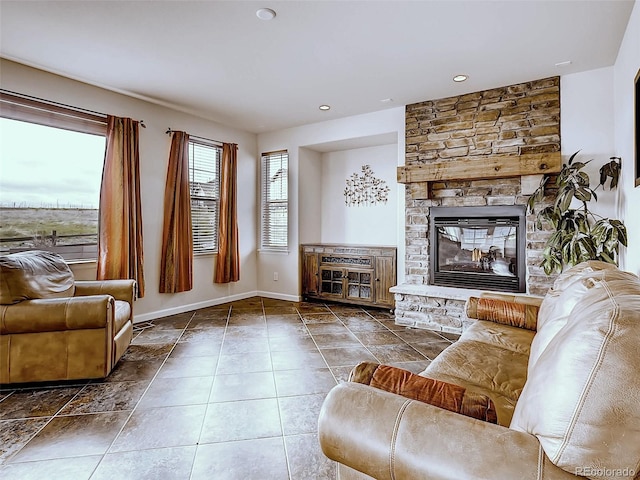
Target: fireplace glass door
(477,249)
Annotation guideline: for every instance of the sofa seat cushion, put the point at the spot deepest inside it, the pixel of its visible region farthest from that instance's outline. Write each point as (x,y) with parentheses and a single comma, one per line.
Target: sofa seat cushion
(485,368)
(34,274)
(503,336)
(122,314)
(588,374)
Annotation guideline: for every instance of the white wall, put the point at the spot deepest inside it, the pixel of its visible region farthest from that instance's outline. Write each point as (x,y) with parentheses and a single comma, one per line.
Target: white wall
(303,172)
(310,196)
(587,124)
(625,70)
(359,224)
(154,153)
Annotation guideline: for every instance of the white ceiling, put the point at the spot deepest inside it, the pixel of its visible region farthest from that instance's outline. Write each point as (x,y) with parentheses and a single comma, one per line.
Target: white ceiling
(216,59)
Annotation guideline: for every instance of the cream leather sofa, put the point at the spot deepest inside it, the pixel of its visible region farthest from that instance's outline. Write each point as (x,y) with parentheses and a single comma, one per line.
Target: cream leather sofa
(567,396)
(55,328)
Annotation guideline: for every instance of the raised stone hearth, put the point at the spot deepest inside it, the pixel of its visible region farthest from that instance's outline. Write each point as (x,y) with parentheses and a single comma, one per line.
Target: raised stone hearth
(494,125)
(432,307)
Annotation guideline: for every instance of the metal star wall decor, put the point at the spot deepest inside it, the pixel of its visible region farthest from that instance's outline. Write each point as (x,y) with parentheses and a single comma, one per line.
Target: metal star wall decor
(365,189)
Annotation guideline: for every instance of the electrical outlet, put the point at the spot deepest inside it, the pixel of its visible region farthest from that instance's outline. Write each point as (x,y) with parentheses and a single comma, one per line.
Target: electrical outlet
(275,276)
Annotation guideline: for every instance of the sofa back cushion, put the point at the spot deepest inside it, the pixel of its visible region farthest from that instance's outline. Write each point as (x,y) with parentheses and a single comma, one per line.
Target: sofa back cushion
(582,397)
(567,290)
(34,274)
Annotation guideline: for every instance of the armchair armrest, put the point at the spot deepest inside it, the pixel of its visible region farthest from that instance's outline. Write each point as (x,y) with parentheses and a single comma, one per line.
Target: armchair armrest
(388,436)
(57,314)
(124,290)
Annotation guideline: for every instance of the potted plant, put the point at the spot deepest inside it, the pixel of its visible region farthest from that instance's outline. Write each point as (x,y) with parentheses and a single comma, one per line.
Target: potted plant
(579,234)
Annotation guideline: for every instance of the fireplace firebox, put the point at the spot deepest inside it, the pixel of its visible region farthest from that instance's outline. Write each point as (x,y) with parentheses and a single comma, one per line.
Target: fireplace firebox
(478,247)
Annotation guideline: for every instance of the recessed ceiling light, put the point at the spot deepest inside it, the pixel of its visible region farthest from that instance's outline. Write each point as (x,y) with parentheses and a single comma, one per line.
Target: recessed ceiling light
(324,108)
(387,100)
(563,64)
(265,14)
(460,78)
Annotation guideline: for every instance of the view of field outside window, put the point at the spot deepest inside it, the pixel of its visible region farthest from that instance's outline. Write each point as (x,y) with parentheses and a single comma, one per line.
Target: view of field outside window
(49,189)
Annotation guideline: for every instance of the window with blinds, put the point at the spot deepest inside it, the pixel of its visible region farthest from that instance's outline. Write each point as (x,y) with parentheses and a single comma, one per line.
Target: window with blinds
(204,182)
(275,200)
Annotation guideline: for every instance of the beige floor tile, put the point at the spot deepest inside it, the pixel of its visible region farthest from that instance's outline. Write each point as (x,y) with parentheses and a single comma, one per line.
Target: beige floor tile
(73,468)
(162,463)
(243,386)
(243,420)
(161,427)
(262,459)
(73,436)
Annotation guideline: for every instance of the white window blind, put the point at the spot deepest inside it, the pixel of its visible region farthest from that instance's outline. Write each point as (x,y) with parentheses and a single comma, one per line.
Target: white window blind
(275,200)
(204,182)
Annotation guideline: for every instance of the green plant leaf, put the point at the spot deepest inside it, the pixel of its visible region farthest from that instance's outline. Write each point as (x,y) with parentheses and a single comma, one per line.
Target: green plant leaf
(573,156)
(577,236)
(604,256)
(583,195)
(582,179)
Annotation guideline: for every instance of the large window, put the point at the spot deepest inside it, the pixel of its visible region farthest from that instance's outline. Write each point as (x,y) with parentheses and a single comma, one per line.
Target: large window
(275,200)
(51,160)
(204,180)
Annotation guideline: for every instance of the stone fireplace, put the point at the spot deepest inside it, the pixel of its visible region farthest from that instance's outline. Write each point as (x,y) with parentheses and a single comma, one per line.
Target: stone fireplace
(484,149)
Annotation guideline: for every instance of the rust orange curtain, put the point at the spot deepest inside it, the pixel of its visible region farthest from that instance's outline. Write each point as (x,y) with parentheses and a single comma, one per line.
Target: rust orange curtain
(228,262)
(176,264)
(120,253)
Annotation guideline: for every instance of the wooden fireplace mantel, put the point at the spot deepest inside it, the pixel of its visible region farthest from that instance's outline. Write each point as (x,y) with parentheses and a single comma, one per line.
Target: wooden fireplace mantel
(475,169)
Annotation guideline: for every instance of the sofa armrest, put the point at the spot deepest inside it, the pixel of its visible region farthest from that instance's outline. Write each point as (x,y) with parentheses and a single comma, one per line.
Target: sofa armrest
(514,310)
(124,290)
(388,436)
(518,299)
(57,314)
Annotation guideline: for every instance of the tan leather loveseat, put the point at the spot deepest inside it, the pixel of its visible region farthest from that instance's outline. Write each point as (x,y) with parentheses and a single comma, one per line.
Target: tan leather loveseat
(567,395)
(55,328)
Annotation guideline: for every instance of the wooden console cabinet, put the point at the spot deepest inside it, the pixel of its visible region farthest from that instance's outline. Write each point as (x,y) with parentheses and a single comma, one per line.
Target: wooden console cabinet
(355,274)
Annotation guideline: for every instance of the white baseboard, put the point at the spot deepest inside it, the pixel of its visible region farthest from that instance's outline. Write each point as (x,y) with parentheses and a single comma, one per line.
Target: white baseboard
(145,317)
(279,296)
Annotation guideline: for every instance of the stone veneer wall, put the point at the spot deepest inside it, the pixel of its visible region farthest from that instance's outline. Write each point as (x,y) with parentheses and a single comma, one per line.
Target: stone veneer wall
(512,120)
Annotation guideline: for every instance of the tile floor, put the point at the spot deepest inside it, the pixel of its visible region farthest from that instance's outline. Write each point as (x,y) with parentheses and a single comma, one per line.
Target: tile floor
(227,392)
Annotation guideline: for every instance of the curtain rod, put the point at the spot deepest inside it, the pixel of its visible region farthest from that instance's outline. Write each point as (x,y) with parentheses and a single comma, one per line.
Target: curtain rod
(169,131)
(59,104)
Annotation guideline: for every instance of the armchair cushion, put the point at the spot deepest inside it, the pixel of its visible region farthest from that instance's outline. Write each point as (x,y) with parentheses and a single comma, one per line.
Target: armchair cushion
(34,274)
(434,392)
(57,315)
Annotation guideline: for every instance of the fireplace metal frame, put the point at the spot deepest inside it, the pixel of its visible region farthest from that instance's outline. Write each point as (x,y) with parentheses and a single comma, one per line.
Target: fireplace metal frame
(459,279)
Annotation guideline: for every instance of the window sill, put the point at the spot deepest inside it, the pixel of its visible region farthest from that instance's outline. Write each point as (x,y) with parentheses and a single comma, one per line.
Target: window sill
(275,251)
(205,254)
(82,261)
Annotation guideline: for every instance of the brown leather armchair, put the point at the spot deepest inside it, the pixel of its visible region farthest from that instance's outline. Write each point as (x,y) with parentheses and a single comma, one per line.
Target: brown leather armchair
(55,328)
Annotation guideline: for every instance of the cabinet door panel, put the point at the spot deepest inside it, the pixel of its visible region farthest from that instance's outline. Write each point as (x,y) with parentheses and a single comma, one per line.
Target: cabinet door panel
(359,285)
(310,280)
(331,282)
(385,279)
